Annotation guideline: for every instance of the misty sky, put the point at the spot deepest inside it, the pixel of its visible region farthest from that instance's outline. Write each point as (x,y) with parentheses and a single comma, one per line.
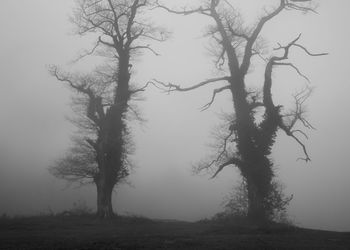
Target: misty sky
(34,130)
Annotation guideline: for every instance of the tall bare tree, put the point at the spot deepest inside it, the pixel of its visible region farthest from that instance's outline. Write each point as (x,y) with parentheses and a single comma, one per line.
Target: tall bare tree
(247,140)
(121,29)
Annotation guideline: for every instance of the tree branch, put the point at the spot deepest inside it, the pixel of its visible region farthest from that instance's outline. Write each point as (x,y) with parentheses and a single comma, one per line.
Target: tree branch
(95,102)
(298,7)
(116,18)
(87,53)
(215,91)
(232,161)
(199,10)
(251,40)
(173,87)
(307,52)
(144,87)
(297,115)
(106,43)
(294,67)
(147,47)
(291,134)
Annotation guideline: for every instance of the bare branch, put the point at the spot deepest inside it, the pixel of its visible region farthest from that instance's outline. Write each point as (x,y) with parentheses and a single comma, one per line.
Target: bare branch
(291,134)
(297,115)
(278,60)
(221,58)
(286,50)
(215,91)
(235,33)
(298,112)
(133,11)
(294,67)
(95,110)
(199,10)
(82,88)
(222,152)
(147,47)
(293,43)
(154,38)
(233,161)
(248,49)
(257,53)
(115,21)
(136,114)
(87,52)
(173,87)
(301,132)
(309,53)
(296,6)
(143,88)
(111,45)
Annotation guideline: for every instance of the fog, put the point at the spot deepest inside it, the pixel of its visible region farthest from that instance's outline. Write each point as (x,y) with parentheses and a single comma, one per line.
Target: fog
(34,130)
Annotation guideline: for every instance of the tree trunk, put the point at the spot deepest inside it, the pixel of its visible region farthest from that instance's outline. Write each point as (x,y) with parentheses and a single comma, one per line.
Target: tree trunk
(104,199)
(256,208)
(111,144)
(259,181)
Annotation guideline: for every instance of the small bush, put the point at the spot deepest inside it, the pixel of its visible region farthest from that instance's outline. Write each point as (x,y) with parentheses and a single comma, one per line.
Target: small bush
(236,205)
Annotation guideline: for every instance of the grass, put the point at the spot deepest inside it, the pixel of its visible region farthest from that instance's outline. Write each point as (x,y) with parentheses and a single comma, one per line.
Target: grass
(135,232)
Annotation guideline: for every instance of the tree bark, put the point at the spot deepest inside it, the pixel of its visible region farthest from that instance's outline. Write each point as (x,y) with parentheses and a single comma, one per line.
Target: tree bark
(256,211)
(109,159)
(259,186)
(258,172)
(104,199)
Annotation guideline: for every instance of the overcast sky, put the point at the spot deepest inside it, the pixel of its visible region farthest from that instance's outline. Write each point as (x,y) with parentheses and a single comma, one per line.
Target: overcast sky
(34,131)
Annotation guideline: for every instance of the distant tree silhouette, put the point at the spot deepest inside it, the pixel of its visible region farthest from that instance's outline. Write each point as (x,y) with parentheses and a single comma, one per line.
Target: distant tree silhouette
(247,139)
(121,30)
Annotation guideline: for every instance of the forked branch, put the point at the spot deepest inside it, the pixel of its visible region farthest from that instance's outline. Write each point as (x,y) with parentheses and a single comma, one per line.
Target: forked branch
(292,134)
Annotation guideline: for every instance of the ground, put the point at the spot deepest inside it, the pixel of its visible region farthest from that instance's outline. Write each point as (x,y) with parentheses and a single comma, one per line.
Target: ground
(86,232)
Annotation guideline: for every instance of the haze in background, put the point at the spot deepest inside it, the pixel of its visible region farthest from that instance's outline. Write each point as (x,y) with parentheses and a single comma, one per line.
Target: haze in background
(34,131)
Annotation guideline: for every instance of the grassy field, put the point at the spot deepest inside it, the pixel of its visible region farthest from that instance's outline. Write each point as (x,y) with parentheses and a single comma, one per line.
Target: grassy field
(86,232)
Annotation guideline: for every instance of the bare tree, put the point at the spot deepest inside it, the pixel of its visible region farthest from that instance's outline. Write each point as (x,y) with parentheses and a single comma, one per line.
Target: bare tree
(246,141)
(121,30)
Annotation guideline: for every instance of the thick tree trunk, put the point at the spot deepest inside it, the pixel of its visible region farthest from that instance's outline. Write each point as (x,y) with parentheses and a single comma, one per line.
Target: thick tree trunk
(253,149)
(111,143)
(247,149)
(259,181)
(256,206)
(104,199)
